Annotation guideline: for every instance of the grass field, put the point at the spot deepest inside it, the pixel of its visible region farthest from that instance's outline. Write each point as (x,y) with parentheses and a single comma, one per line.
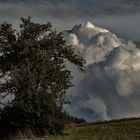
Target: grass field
(126,129)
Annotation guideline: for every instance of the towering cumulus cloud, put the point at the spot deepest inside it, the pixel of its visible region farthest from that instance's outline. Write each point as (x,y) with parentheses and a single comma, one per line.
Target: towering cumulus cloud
(110,88)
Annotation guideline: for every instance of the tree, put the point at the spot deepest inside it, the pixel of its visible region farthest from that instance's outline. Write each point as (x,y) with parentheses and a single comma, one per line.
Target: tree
(34,77)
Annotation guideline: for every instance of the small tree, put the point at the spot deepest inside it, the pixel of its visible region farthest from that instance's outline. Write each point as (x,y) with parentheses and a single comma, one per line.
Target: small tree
(34,73)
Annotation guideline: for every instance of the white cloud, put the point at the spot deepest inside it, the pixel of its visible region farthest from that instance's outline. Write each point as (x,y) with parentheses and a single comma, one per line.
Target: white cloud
(111,85)
(97,106)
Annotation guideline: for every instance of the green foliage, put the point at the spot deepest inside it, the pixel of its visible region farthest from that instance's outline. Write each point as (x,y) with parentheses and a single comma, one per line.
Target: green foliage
(34,74)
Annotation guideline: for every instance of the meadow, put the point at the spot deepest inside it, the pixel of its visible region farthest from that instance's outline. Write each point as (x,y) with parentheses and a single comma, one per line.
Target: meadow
(125,129)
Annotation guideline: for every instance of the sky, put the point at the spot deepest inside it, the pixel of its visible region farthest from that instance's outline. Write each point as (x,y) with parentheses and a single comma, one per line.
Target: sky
(110,87)
(120,16)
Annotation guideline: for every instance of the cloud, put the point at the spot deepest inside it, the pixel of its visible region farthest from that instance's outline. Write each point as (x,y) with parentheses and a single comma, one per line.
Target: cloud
(122,25)
(66,8)
(97,107)
(117,15)
(110,87)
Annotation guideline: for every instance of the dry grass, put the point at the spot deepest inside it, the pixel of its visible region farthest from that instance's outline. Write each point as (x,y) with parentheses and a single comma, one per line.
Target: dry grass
(127,129)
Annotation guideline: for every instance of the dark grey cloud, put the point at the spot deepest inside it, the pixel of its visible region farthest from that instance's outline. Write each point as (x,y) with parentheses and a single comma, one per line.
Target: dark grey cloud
(121,16)
(74,8)
(105,7)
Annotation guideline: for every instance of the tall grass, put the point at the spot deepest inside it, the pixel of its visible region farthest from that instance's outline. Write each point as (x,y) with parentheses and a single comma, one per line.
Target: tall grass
(128,129)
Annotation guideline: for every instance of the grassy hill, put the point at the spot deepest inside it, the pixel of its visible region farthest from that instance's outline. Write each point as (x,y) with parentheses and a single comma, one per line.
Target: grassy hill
(125,129)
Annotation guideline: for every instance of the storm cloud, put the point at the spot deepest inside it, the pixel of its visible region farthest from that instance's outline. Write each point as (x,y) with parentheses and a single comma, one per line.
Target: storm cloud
(110,87)
(79,7)
(117,15)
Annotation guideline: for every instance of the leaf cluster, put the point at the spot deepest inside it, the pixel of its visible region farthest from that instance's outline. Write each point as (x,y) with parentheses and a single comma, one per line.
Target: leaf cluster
(34,77)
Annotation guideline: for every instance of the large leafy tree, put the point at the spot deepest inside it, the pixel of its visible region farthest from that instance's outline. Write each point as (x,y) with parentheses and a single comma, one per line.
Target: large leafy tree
(34,77)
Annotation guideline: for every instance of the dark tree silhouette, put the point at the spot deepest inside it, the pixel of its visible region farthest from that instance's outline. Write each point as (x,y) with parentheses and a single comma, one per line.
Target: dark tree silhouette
(34,77)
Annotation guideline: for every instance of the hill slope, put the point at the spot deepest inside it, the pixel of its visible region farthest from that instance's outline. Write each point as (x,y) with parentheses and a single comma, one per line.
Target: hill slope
(125,129)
